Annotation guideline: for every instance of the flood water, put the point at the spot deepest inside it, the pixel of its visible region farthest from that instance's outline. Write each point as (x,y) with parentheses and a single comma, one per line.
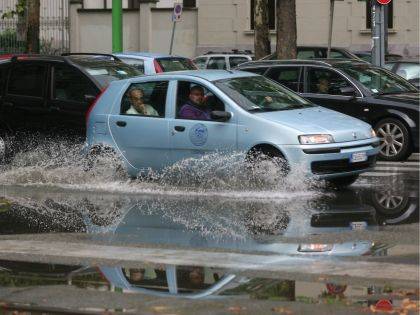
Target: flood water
(207,232)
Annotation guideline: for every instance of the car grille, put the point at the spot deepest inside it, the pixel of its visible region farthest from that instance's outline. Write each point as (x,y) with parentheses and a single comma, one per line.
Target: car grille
(340,166)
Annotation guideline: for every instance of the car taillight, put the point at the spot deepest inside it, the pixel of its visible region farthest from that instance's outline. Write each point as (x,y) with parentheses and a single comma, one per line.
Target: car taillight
(93,104)
(158,68)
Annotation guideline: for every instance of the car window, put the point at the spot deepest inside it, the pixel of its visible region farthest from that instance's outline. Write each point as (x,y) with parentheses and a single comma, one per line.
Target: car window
(377,80)
(235,61)
(3,73)
(259,94)
(195,101)
(136,63)
(145,99)
(176,64)
(288,76)
(147,278)
(389,66)
(336,54)
(259,70)
(200,62)
(409,71)
(27,80)
(324,81)
(306,54)
(71,85)
(217,63)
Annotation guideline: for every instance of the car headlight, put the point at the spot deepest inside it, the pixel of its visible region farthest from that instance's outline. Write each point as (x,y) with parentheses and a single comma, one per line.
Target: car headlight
(372,133)
(315,248)
(315,139)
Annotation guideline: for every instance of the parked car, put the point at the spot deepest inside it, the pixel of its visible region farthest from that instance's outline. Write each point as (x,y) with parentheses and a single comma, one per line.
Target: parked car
(52,94)
(367,56)
(408,69)
(222,61)
(152,63)
(250,114)
(318,52)
(375,95)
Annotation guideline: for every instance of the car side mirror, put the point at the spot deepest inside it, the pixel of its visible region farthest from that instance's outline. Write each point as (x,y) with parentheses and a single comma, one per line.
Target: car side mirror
(90,98)
(219,115)
(348,91)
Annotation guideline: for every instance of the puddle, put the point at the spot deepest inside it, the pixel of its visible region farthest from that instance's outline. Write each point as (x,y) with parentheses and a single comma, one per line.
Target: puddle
(153,288)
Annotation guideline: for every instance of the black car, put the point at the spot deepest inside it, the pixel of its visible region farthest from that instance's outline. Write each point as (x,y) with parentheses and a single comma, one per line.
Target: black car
(375,95)
(317,52)
(52,94)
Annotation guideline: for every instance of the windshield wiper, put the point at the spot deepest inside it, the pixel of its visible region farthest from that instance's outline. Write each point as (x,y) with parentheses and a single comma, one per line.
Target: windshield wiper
(262,110)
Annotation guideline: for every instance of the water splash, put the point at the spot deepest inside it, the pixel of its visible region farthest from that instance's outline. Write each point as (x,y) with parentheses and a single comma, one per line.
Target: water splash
(60,164)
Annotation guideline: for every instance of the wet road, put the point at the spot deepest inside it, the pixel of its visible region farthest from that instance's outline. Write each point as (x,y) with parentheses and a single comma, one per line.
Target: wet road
(76,240)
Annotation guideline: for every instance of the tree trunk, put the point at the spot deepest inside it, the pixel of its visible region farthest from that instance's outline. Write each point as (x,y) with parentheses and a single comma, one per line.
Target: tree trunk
(261,29)
(32,33)
(286,29)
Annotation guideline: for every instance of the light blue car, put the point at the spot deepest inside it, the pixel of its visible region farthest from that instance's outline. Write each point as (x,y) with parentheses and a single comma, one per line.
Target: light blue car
(249,114)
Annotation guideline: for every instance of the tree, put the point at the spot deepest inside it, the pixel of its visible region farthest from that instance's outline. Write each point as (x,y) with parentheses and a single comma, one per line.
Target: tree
(32,34)
(286,29)
(262,45)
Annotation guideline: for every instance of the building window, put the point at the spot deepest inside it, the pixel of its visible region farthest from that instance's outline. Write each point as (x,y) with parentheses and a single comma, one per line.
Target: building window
(271,14)
(133,4)
(369,14)
(189,3)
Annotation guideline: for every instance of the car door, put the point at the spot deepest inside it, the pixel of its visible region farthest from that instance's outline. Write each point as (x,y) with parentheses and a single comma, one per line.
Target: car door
(194,138)
(67,101)
(325,87)
(289,76)
(143,139)
(24,99)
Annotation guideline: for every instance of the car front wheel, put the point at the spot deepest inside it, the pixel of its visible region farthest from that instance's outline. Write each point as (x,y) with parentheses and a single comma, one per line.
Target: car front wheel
(394,140)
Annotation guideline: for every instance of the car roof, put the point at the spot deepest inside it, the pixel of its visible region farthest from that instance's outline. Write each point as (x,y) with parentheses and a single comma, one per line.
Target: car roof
(323,62)
(145,54)
(209,75)
(223,55)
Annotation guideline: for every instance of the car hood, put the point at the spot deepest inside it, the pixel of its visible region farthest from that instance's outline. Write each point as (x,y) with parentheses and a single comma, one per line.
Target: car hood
(319,120)
(405,98)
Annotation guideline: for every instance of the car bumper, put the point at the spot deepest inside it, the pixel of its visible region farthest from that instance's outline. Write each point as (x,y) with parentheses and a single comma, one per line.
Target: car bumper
(332,160)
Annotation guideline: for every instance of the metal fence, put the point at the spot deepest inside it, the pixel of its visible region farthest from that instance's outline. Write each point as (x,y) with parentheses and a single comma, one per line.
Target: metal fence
(54,27)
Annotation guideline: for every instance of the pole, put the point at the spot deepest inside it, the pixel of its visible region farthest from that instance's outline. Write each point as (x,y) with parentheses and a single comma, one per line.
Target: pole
(117,37)
(378,34)
(330,30)
(172,38)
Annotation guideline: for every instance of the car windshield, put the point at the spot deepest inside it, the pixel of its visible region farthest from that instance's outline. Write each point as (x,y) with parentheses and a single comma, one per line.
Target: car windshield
(107,71)
(377,80)
(259,94)
(176,64)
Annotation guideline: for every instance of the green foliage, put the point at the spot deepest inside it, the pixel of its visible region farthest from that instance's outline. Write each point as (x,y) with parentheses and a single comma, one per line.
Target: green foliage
(9,42)
(18,11)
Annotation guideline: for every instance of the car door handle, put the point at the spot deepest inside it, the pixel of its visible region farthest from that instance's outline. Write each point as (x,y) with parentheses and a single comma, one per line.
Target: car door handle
(8,104)
(121,123)
(179,128)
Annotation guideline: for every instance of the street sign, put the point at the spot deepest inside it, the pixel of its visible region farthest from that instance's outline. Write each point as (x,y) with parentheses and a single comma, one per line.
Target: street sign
(384,2)
(176,16)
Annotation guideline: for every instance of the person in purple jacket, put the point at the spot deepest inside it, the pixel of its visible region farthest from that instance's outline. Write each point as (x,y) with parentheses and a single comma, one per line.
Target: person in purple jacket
(195,107)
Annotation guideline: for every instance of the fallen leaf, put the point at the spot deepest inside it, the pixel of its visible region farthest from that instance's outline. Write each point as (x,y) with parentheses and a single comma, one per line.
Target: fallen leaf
(236,309)
(282,310)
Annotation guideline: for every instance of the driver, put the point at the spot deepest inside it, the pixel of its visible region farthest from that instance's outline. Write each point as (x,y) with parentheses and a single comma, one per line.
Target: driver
(195,107)
(323,86)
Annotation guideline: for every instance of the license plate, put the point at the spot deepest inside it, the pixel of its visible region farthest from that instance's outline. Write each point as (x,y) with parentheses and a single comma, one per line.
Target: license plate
(358,225)
(358,157)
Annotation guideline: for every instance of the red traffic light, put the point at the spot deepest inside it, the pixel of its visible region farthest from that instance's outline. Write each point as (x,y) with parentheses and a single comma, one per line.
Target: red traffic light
(384,2)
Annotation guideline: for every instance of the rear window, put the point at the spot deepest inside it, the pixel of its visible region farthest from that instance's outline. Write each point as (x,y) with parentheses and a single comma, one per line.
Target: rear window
(136,63)
(27,80)
(176,64)
(107,71)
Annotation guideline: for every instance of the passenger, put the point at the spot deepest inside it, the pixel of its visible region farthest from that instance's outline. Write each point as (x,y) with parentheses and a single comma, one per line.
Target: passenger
(195,107)
(136,97)
(323,86)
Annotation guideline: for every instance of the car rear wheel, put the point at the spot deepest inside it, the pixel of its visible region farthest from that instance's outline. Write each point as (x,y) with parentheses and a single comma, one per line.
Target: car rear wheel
(394,140)
(342,182)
